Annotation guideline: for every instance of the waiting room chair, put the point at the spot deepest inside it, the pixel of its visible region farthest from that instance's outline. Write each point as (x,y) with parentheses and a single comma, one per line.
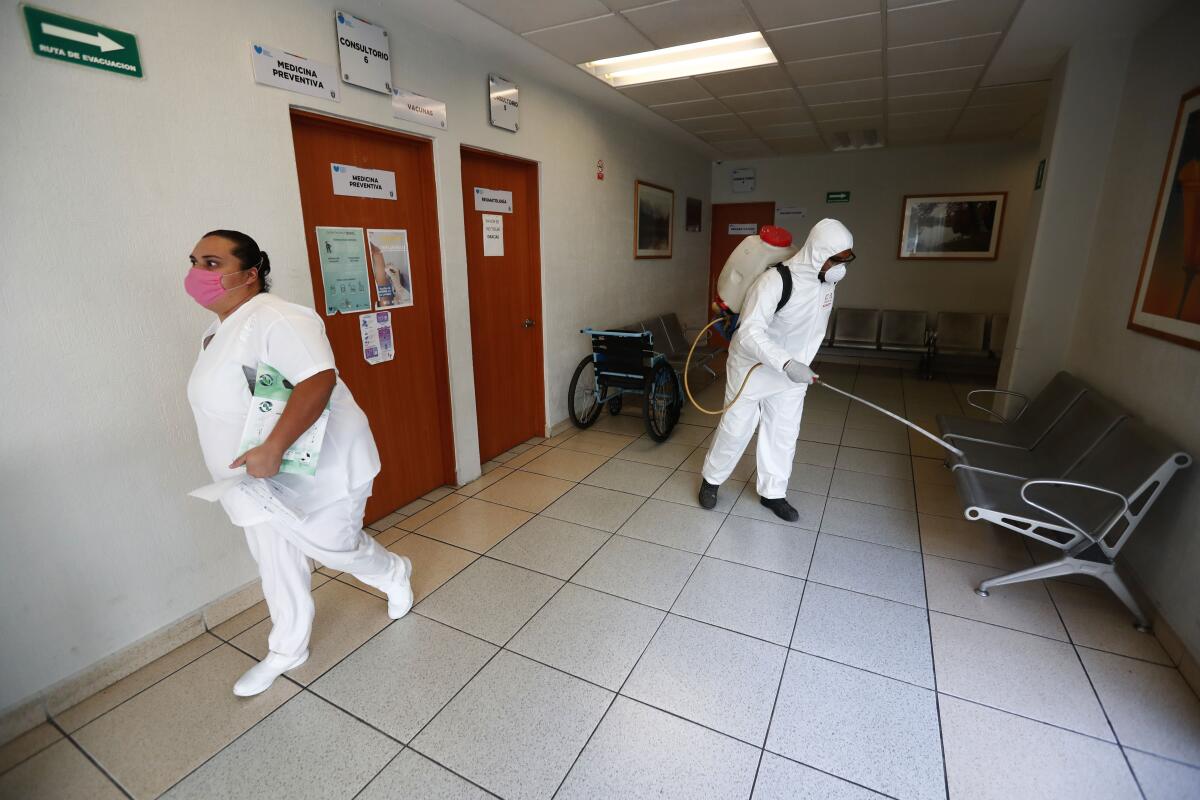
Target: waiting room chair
(856,327)
(997,332)
(1026,428)
(960,332)
(903,330)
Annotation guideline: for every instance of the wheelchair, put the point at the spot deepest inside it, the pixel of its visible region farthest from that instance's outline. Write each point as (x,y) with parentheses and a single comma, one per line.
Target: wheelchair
(625,363)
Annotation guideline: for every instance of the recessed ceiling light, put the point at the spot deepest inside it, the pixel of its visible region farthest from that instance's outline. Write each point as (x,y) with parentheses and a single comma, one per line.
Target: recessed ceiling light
(699,58)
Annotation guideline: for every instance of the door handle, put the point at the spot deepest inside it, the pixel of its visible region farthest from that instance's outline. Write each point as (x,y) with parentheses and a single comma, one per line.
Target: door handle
(528,323)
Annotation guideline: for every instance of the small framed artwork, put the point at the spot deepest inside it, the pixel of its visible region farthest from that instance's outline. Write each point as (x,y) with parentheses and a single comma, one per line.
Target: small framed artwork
(952,226)
(653,220)
(693,214)
(1167,301)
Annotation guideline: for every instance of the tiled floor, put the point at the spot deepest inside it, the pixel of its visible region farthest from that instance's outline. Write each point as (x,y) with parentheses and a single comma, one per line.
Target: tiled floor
(584,630)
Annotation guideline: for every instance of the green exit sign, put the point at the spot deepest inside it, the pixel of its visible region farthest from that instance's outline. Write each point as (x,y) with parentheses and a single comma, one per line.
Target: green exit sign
(81,42)
(837,197)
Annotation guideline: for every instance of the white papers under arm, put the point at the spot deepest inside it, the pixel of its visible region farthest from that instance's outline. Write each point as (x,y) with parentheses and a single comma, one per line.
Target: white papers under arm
(273,497)
(215,491)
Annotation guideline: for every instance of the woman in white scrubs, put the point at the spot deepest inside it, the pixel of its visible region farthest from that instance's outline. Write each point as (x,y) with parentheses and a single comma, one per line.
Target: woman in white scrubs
(228,276)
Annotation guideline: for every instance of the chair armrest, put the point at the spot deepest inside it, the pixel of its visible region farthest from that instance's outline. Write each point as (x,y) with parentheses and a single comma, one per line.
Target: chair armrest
(985,471)
(1024,403)
(1075,484)
(691,333)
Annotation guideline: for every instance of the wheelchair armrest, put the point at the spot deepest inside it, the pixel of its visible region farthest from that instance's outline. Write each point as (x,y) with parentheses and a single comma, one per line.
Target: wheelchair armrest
(1024,403)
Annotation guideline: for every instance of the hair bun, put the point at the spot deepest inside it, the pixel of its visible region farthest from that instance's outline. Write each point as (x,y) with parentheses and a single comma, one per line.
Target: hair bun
(264,263)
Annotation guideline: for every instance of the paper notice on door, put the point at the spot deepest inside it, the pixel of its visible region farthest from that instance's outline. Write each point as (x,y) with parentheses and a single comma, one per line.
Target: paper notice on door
(493,235)
(742,229)
(390,268)
(377,342)
(343,269)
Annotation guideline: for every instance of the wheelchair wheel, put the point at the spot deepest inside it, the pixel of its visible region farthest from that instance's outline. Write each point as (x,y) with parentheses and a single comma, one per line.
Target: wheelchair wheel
(661,407)
(581,396)
(614,405)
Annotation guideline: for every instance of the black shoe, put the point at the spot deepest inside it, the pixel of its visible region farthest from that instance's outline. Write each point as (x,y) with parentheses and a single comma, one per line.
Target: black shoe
(782,508)
(708,494)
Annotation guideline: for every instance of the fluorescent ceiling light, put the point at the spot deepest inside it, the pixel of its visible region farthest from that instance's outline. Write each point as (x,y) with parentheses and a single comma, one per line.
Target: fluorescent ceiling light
(700,58)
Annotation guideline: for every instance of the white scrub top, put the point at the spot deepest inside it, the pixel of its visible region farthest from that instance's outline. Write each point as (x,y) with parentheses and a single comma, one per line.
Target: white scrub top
(291,338)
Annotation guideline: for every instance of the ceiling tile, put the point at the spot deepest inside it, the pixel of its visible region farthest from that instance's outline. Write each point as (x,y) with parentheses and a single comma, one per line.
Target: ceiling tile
(1032,130)
(775,116)
(689,109)
(923,119)
(522,16)
(850,67)
(869,89)
(916,136)
(666,92)
(831,128)
(979,135)
(791,130)
(745,148)
(860,108)
(603,37)
(625,5)
(1028,93)
(685,21)
(928,102)
(946,80)
(762,101)
(850,35)
(934,22)
(716,122)
(1007,118)
(755,79)
(965,52)
(781,13)
(804,144)
(724,136)
(891,3)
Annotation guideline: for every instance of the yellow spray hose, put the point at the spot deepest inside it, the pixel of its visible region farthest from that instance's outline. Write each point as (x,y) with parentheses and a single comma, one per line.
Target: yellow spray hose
(687,365)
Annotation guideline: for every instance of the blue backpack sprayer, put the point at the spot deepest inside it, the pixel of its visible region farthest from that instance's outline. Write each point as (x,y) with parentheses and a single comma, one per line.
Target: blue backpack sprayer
(757,253)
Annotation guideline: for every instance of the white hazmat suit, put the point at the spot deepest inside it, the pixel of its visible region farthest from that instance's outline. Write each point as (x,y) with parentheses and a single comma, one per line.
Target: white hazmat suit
(772,339)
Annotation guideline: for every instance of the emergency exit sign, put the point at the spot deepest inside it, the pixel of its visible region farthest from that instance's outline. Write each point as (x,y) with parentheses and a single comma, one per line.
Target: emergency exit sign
(837,197)
(81,42)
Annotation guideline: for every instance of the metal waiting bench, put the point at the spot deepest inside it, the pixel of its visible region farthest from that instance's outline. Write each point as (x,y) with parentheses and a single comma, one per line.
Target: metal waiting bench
(1082,485)
(673,343)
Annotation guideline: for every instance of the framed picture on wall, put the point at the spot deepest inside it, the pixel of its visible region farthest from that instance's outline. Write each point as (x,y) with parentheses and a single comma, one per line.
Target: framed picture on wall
(1167,301)
(653,220)
(952,226)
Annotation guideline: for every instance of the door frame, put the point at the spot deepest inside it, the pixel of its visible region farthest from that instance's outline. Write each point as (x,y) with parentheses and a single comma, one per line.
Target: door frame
(535,239)
(432,226)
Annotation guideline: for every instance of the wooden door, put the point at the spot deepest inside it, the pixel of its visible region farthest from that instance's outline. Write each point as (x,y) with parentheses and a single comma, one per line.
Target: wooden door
(407,399)
(723,242)
(505,291)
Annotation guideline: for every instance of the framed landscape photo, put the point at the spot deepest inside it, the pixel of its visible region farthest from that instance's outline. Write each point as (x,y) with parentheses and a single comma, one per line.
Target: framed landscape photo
(952,226)
(653,220)
(1167,301)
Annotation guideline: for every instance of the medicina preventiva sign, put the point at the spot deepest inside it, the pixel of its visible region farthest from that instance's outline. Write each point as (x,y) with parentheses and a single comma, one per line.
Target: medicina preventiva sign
(363,53)
(274,67)
(78,41)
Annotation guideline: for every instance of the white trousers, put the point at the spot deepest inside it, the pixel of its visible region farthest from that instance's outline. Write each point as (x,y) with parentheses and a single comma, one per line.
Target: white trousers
(332,536)
(771,403)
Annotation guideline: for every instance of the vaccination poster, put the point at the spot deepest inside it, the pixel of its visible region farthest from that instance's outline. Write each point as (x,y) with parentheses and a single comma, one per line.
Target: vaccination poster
(343,270)
(390,268)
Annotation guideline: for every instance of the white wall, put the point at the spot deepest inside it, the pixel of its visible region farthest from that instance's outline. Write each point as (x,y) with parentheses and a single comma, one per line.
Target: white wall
(1157,380)
(877,181)
(108,181)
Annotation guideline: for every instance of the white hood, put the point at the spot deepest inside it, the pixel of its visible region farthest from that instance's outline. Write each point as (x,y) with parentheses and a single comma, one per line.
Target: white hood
(828,237)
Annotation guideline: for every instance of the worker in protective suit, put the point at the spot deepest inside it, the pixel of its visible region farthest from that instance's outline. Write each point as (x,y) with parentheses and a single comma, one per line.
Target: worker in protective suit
(784,339)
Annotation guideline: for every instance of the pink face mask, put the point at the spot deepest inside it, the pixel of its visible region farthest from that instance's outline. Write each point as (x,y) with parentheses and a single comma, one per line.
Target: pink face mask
(205,287)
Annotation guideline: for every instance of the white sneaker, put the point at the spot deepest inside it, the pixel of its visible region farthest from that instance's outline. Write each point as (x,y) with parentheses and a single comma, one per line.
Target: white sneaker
(259,678)
(400,596)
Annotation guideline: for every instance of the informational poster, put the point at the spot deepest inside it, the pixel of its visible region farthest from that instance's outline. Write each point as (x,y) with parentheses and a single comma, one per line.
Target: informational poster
(376,330)
(742,229)
(493,235)
(363,53)
(503,106)
(390,269)
(351,181)
(344,270)
(791,218)
(418,108)
(494,201)
(274,67)
(743,179)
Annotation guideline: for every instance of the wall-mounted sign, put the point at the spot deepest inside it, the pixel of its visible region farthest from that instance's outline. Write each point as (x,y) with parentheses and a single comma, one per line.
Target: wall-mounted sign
(80,42)
(742,229)
(503,105)
(361,182)
(837,197)
(273,67)
(495,201)
(418,108)
(600,169)
(493,235)
(786,214)
(743,179)
(363,53)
